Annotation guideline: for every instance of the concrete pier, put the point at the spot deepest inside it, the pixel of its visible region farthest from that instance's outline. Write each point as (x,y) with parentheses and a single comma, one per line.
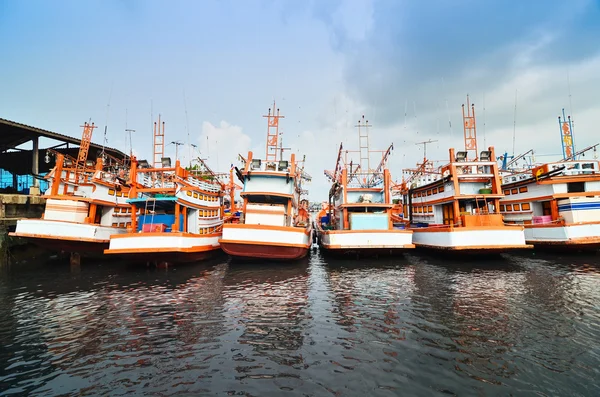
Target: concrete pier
(12,208)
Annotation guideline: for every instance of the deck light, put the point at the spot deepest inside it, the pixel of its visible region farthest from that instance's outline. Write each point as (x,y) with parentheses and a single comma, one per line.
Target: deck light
(461,156)
(166,162)
(485,155)
(256,163)
(143,164)
(283,164)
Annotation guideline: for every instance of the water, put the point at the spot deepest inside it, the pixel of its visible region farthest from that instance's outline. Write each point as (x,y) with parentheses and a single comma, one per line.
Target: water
(413,325)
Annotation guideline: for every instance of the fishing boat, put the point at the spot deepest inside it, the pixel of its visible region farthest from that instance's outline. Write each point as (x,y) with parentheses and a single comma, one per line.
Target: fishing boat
(456,207)
(85,204)
(558,203)
(177,214)
(274,223)
(359,218)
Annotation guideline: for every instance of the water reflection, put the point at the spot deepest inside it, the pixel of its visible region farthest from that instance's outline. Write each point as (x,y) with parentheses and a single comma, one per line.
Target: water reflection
(417,325)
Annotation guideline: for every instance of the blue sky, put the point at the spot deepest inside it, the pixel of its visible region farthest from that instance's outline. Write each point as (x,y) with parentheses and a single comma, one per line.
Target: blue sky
(406,65)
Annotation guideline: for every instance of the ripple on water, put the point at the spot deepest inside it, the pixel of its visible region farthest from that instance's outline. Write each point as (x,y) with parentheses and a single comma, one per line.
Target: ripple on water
(414,325)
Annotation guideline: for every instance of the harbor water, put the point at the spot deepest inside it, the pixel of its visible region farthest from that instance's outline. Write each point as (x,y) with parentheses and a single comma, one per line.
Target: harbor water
(415,325)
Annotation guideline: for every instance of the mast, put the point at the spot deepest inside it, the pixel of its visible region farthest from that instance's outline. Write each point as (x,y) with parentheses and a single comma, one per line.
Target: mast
(470,131)
(363,143)
(159,143)
(566,137)
(273,134)
(84,148)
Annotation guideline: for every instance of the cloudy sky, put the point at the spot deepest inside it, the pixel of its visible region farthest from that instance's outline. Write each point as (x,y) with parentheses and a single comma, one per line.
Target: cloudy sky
(212,68)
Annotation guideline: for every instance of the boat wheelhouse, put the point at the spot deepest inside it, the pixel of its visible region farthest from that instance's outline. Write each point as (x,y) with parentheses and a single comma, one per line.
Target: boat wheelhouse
(274,223)
(360,210)
(177,215)
(456,207)
(85,204)
(557,203)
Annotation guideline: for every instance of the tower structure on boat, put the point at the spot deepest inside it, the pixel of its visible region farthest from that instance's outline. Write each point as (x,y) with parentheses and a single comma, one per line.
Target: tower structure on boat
(274,221)
(558,203)
(360,215)
(455,207)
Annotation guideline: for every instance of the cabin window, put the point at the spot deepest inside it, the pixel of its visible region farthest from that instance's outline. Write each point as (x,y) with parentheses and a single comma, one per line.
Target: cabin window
(507,192)
(508,208)
(502,208)
(189,192)
(430,209)
(128,224)
(111,192)
(523,189)
(195,195)
(435,191)
(525,207)
(514,191)
(115,224)
(575,187)
(117,210)
(429,192)
(441,189)
(516,207)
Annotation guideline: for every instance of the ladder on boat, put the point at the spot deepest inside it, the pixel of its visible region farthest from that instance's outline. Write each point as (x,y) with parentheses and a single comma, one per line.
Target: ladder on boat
(152,208)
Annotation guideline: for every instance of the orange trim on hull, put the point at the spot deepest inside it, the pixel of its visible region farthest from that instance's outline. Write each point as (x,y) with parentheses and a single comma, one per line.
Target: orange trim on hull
(486,248)
(265,243)
(245,226)
(48,237)
(150,251)
(394,231)
(166,234)
(448,229)
(362,248)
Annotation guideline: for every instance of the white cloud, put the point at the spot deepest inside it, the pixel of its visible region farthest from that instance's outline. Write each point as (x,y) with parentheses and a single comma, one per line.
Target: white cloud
(221,144)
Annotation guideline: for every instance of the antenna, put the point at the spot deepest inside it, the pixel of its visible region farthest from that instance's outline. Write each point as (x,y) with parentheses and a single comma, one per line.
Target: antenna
(159,143)
(363,143)
(272,136)
(470,130)
(447,108)
(425,143)
(515,124)
(187,128)
(177,144)
(484,144)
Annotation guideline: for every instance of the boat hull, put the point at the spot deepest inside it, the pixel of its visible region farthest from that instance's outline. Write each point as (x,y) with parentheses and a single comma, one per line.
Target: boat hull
(480,240)
(66,236)
(371,242)
(265,242)
(164,247)
(575,237)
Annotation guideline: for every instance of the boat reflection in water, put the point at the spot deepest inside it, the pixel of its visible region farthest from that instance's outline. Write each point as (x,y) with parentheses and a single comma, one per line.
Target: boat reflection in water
(269,310)
(145,328)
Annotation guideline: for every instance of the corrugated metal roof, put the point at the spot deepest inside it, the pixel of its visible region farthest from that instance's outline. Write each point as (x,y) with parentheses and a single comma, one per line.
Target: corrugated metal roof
(13,134)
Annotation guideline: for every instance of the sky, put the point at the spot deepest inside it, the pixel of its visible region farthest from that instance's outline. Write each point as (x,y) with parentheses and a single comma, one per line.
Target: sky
(212,68)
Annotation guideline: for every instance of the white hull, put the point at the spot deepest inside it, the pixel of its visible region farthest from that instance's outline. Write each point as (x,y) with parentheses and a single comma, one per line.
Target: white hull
(366,240)
(167,246)
(459,239)
(576,235)
(62,230)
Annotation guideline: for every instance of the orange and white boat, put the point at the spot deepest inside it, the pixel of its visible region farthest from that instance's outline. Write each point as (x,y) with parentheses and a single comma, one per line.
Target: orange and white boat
(85,205)
(456,207)
(360,218)
(274,223)
(558,203)
(176,216)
